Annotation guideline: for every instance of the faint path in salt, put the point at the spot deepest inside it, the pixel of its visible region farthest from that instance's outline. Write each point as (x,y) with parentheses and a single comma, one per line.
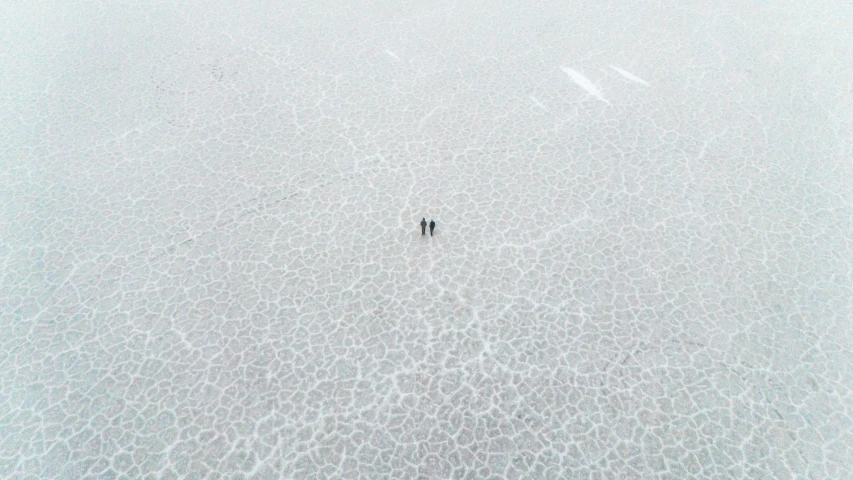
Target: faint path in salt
(629,75)
(427,117)
(584,83)
(538,103)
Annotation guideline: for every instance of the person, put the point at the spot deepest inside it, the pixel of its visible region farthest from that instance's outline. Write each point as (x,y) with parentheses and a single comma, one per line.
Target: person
(431,226)
(423,226)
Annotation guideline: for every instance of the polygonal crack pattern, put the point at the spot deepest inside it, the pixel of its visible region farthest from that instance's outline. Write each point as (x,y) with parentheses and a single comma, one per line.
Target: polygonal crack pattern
(212,267)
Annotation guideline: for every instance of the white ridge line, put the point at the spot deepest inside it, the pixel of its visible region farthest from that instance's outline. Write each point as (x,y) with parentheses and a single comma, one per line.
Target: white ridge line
(584,83)
(629,75)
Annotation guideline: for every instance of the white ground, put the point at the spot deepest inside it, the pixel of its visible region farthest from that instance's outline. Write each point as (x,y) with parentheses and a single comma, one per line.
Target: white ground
(211,264)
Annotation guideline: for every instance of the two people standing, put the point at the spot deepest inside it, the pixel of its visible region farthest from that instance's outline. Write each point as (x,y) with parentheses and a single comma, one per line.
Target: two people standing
(424,225)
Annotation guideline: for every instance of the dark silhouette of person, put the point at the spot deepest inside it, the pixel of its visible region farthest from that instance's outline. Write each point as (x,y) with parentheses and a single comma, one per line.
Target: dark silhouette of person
(423,226)
(431,226)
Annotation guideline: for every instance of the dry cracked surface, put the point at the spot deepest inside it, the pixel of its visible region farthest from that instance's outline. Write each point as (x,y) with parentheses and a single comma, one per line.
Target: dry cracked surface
(211,264)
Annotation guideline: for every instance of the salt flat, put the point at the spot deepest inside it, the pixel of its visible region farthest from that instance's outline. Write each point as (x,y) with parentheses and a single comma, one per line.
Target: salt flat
(211,265)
